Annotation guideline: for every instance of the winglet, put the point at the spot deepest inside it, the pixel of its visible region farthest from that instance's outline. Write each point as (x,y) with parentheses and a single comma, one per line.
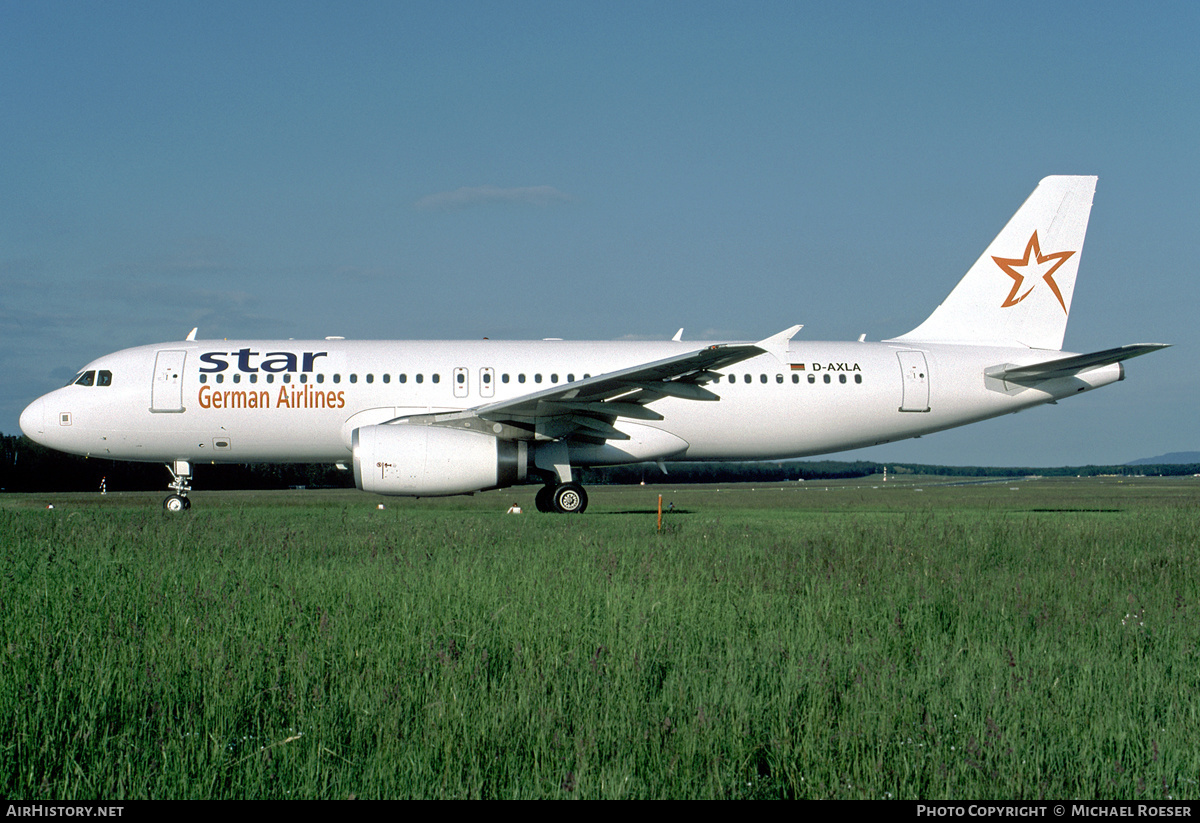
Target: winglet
(777,344)
(678,338)
(192,334)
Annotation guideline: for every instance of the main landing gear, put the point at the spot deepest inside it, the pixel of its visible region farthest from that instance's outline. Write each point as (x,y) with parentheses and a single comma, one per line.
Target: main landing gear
(181,477)
(563,498)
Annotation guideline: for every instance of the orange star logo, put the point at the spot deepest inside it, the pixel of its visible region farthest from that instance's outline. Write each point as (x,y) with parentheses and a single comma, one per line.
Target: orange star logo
(1032,262)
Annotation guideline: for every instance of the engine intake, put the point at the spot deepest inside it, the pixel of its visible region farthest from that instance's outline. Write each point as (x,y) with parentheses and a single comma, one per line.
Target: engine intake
(430,461)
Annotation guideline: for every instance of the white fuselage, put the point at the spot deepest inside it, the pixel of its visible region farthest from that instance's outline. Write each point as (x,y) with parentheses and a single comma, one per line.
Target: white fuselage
(300,401)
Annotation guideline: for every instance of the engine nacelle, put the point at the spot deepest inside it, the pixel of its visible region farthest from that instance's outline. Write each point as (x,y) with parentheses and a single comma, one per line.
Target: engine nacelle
(431,461)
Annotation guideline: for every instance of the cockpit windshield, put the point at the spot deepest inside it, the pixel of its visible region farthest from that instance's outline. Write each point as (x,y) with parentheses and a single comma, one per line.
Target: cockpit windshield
(93,378)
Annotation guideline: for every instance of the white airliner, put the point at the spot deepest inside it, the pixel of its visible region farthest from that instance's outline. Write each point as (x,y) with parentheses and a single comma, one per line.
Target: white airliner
(429,418)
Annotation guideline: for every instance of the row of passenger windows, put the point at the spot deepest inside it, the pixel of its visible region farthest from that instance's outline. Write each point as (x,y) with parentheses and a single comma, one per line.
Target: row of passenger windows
(320,378)
(812,378)
(461,378)
(103,377)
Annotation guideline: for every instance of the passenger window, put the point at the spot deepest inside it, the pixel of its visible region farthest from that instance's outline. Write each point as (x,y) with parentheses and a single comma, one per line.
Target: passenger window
(537,378)
(370,378)
(387,378)
(461,378)
(504,378)
(762,378)
(420,378)
(203,378)
(748,378)
(254,378)
(841,378)
(827,380)
(553,378)
(520,378)
(237,378)
(779,378)
(812,378)
(795,378)
(403,378)
(337,378)
(287,378)
(435,378)
(353,378)
(570,378)
(858,378)
(220,378)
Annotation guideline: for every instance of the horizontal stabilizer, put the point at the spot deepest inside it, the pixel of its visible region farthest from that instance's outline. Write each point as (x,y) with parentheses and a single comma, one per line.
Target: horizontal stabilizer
(1067,366)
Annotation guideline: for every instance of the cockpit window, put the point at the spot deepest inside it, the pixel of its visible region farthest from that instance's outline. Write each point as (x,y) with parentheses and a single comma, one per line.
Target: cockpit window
(92,378)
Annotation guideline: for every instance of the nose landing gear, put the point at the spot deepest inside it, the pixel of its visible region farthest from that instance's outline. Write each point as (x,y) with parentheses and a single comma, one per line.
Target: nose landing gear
(181,478)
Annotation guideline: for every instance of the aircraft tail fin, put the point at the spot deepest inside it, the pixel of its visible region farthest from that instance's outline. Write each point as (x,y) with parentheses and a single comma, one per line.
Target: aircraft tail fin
(1019,291)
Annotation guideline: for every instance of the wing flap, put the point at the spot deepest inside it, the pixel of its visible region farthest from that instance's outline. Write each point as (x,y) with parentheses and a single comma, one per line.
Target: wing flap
(610,408)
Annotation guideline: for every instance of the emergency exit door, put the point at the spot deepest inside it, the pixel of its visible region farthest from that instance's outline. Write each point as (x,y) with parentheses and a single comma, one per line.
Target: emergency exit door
(167,392)
(915,374)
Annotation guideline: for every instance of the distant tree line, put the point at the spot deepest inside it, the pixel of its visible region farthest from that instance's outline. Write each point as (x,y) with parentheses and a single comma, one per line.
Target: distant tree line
(726,472)
(26,466)
(791,470)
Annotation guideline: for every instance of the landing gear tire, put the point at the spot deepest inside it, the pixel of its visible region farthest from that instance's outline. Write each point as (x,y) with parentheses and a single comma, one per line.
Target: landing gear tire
(544,500)
(181,477)
(570,498)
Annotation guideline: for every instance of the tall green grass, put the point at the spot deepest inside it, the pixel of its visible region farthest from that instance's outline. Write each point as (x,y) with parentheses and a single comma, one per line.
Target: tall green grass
(860,642)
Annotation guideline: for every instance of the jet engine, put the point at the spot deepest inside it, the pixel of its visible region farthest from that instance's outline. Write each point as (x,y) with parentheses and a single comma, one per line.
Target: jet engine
(431,461)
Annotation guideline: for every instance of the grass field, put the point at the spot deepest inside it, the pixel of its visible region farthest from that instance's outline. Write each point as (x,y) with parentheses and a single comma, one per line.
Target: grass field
(1019,639)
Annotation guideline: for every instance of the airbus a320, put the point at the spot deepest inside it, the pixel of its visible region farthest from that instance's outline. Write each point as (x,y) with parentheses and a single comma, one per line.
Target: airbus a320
(432,418)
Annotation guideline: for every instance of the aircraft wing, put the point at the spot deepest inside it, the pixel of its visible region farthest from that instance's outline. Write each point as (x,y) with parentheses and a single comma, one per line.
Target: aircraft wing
(1067,366)
(593,403)
(586,409)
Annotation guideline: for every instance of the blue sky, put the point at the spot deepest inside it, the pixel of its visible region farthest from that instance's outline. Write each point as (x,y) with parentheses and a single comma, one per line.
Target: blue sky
(595,171)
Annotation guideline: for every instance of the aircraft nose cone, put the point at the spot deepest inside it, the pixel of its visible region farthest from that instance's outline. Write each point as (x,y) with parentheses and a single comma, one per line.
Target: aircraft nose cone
(33,418)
